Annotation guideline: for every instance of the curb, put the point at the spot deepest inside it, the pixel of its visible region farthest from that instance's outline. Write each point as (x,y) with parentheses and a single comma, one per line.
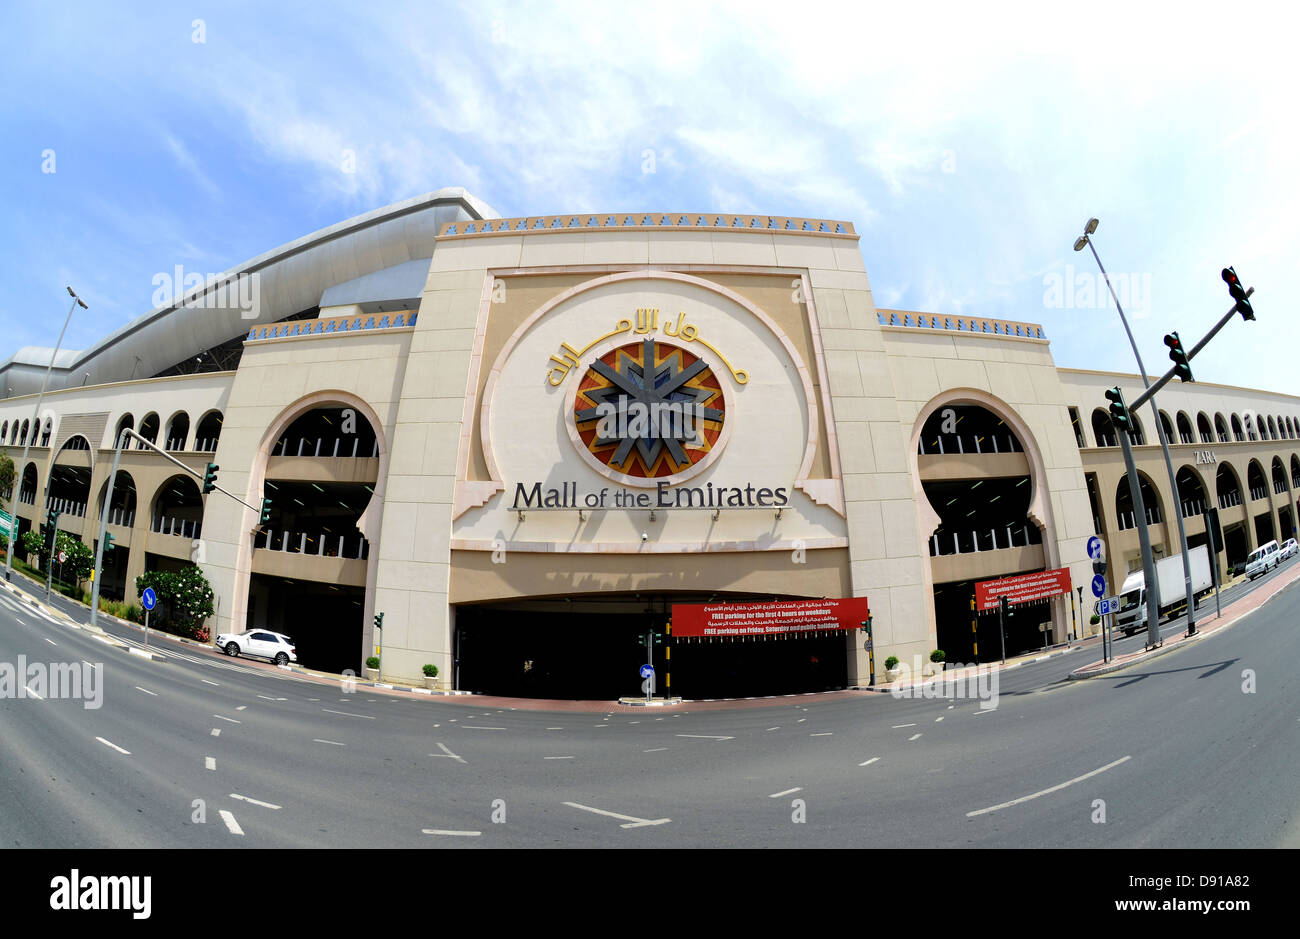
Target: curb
(643,703)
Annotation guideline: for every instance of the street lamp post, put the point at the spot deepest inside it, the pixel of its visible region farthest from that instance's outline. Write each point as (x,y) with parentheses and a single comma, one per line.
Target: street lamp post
(36,420)
(1086,239)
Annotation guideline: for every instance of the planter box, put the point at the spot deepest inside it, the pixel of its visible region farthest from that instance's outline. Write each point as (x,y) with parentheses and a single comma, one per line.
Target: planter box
(431,683)
(372,674)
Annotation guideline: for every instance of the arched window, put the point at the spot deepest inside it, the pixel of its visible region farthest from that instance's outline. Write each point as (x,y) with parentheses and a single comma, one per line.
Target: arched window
(1221,427)
(1185,428)
(1203,428)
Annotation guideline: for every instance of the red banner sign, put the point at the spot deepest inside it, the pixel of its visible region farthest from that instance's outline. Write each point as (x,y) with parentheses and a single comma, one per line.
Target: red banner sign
(1022,588)
(767,619)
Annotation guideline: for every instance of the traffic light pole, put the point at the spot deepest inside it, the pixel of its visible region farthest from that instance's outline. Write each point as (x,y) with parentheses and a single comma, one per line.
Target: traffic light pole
(1144,540)
(108,501)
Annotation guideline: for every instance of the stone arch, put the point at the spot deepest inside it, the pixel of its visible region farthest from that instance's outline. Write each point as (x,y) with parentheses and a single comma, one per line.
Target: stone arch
(1237,433)
(368,524)
(1221,428)
(178,431)
(1124,508)
(1103,430)
(125,422)
(1203,428)
(1227,486)
(1185,434)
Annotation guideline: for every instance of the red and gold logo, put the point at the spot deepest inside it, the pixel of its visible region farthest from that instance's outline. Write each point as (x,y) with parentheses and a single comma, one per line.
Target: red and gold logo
(649,409)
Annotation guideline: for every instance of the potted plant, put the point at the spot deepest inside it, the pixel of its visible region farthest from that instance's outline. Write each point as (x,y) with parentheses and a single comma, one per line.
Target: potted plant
(1094,620)
(430,676)
(891,668)
(372,668)
(937,658)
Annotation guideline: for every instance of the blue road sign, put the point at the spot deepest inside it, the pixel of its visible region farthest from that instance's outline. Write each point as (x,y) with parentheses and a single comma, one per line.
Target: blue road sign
(1094,548)
(148,599)
(1107,605)
(647,671)
(1099,586)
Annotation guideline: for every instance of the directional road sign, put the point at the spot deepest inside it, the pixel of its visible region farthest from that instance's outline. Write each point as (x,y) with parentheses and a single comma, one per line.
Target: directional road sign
(1094,548)
(647,671)
(1099,586)
(148,599)
(1107,605)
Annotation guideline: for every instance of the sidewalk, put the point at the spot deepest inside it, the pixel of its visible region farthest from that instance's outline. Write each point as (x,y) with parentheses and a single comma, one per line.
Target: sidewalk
(1232,614)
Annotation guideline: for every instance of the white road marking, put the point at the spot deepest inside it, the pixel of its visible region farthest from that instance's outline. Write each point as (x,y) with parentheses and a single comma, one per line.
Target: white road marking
(50,641)
(33,693)
(216,731)
(870,761)
(785,792)
(801,720)
(913,737)
(265,805)
(898,726)
(231,823)
(206,682)
(241,707)
(1070,782)
(272,699)
(108,743)
(774,728)
(555,728)
(231,719)
(479,727)
(825,734)
(937,719)
(557,758)
(349,714)
(146,691)
(210,762)
(443,831)
(705,737)
(446,752)
(985,711)
(655,750)
(632,820)
(331,742)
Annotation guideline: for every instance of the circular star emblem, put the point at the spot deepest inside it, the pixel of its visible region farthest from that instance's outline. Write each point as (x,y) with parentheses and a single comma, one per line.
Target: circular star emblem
(649,410)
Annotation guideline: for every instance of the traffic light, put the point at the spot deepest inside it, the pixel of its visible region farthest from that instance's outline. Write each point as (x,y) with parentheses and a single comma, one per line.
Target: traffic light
(1238,293)
(108,541)
(866,625)
(210,478)
(1119,410)
(1178,355)
(266,512)
(379,621)
(1005,607)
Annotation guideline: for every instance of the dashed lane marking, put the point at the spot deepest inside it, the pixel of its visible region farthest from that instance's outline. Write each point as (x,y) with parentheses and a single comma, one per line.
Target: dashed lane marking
(349,714)
(265,805)
(230,719)
(333,743)
(900,726)
(1068,782)
(631,820)
(557,758)
(449,833)
(448,753)
(216,731)
(231,824)
(706,736)
(913,737)
(146,691)
(209,762)
(870,761)
(109,743)
(785,792)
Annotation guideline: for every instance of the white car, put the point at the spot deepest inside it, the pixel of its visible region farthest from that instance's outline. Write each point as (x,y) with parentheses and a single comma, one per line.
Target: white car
(259,642)
(1263,559)
(1290,549)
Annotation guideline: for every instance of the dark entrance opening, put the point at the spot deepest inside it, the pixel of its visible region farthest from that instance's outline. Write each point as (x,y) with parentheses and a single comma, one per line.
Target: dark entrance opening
(1264,528)
(1235,544)
(590,648)
(323,620)
(952,615)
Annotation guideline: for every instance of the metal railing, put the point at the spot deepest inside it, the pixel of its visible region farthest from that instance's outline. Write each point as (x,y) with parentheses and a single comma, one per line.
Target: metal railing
(182,527)
(972,443)
(1229,499)
(66,506)
(1258,492)
(943,543)
(1193,507)
(320,544)
(206,445)
(1128,519)
(122,517)
(346,447)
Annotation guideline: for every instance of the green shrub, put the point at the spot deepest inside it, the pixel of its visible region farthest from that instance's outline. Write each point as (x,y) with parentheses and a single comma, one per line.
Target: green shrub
(937,656)
(1095,619)
(372,662)
(430,670)
(891,662)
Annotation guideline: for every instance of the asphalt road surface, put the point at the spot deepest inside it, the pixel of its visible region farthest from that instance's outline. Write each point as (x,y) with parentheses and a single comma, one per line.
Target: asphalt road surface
(1198,748)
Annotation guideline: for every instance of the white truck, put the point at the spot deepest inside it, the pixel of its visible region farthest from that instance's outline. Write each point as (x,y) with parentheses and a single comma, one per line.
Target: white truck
(1132,613)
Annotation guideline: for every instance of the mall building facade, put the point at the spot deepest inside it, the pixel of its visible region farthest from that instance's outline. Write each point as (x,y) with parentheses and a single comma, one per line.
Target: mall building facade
(525,440)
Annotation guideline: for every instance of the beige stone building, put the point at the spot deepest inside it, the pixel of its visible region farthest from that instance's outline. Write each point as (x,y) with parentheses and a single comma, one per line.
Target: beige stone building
(523,441)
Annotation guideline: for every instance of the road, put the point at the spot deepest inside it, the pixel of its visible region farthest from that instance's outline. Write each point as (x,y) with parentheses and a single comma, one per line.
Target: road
(1196,749)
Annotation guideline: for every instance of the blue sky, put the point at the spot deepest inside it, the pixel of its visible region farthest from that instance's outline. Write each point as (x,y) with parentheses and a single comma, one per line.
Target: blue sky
(968,143)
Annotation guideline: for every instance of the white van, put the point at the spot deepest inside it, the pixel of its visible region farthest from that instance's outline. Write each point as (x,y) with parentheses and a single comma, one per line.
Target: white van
(1263,559)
